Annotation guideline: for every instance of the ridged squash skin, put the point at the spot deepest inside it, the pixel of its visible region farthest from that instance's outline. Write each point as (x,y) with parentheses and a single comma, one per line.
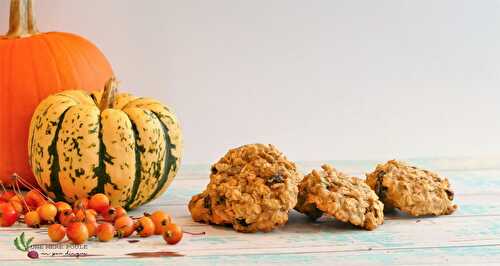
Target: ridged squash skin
(130,152)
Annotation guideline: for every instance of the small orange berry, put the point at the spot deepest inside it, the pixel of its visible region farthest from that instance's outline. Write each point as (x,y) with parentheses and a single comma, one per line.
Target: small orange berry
(8,215)
(105,232)
(34,199)
(172,234)
(7,195)
(145,227)
(91,227)
(77,232)
(99,202)
(91,211)
(109,215)
(18,206)
(85,215)
(18,203)
(66,217)
(32,219)
(47,212)
(120,211)
(61,206)
(90,215)
(56,232)
(160,219)
(124,226)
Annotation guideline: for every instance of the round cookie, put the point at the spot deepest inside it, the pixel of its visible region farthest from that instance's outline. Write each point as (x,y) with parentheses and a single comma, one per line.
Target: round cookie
(252,188)
(348,199)
(410,189)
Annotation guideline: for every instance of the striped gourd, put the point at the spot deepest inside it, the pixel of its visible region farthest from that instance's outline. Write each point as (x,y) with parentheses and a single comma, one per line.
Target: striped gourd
(104,142)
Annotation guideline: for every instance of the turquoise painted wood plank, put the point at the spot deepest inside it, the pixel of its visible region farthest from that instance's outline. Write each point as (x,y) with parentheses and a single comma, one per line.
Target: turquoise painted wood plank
(471,235)
(463,183)
(469,205)
(462,255)
(299,235)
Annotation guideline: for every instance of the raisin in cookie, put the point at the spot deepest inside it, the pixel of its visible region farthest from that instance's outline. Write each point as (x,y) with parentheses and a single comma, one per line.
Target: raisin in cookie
(348,199)
(412,190)
(251,188)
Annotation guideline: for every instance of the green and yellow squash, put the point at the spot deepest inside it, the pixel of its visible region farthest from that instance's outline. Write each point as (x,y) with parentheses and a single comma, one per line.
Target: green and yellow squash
(126,147)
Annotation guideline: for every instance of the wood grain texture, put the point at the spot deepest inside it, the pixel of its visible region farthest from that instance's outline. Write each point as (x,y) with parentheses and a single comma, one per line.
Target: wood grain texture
(470,236)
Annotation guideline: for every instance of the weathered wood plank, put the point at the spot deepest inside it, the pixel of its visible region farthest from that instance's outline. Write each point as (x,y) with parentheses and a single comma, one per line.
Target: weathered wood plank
(469,236)
(469,206)
(300,235)
(464,184)
(460,255)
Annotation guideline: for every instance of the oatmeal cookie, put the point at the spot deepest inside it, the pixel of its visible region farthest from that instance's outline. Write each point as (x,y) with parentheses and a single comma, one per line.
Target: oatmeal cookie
(410,189)
(348,199)
(251,188)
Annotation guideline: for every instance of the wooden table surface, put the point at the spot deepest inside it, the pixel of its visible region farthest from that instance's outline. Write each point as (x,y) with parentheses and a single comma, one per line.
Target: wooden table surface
(469,236)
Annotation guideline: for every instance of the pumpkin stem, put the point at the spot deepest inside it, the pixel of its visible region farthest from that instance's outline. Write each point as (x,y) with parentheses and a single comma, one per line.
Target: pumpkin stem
(109,94)
(22,21)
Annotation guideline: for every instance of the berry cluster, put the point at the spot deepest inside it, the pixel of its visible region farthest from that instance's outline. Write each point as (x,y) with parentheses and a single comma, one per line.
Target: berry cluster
(88,218)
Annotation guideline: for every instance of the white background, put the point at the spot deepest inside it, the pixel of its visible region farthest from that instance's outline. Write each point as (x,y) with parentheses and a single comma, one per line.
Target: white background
(320,79)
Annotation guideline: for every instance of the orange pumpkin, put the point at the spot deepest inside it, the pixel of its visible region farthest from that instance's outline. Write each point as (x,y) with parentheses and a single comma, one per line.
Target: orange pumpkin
(34,65)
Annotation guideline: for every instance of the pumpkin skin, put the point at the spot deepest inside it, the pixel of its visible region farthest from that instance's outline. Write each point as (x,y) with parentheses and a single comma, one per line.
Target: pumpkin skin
(130,152)
(34,65)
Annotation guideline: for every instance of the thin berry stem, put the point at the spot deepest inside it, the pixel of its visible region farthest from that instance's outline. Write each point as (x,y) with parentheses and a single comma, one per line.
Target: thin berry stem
(18,192)
(3,187)
(28,185)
